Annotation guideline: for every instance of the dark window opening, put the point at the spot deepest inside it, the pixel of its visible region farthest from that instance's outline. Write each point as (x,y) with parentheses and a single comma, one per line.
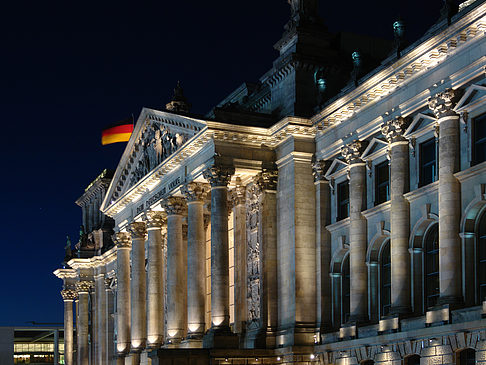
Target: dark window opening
(432,267)
(467,357)
(412,360)
(343,200)
(481,260)
(427,162)
(479,140)
(367,362)
(385,279)
(382,183)
(345,285)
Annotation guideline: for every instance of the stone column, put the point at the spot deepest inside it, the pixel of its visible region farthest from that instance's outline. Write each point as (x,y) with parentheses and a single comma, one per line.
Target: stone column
(399,214)
(357,231)
(101,318)
(138,288)
(123,318)
(449,197)
(196,194)
(239,233)
(83,289)
(109,325)
(155,279)
(323,246)
(176,271)
(68,296)
(219,178)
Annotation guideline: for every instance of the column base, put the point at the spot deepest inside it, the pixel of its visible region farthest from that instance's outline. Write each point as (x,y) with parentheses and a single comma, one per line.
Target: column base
(221,338)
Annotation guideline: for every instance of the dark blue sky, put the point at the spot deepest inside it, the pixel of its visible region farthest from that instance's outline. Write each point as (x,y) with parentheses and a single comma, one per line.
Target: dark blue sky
(68,69)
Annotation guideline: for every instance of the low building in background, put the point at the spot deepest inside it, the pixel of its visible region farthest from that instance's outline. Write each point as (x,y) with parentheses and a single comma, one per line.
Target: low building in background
(333,212)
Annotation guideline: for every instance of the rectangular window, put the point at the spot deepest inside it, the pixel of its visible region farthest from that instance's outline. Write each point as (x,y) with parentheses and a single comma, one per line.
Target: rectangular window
(428,162)
(343,200)
(479,139)
(382,183)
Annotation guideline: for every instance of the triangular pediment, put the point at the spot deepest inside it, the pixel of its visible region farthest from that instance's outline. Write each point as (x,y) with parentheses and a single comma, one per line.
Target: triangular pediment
(474,95)
(336,166)
(419,122)
(156,137)
(375,145)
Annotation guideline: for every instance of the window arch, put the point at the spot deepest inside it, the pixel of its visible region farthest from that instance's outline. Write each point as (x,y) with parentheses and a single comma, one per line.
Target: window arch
(481,258)
(431,266)
(345,290)
(385,279)
(466,357)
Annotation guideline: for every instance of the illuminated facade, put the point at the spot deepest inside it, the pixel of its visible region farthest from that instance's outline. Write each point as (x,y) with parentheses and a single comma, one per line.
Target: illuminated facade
(353,235)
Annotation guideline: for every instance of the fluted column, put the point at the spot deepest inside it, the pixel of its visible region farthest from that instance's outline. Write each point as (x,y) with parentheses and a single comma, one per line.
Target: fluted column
(196,194)
(449,197)
(176,271)
(219,178)
(357,231)
(155,279)
(83,288)
(393,131)
(123,318)
(68,296)
(138,288)
(101,318)
(323,245)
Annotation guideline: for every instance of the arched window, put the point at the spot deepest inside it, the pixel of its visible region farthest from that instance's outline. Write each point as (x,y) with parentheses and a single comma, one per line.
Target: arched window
(345,290)
(481,258)
(466,357)
(412,360)
(431,278)
(385,279)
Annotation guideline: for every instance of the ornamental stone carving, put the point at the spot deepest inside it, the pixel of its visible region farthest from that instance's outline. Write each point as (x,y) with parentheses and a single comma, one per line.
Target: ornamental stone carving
(174,206)
(219,175)
(319,169)
(352,151)
(238,194)
(394,129)
(443,103)
(194,191)
(155,219)
(69,295)
(122,239)
(267,179)
(137,230)
(84,286)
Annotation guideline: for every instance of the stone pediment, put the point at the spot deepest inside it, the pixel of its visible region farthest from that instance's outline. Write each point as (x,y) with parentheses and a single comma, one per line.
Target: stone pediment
(419,122)
(474,96)
(157,135)
(336,167)
(375,145)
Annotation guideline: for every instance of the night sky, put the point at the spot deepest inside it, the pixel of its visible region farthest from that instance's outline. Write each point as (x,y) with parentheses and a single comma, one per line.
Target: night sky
(69,69)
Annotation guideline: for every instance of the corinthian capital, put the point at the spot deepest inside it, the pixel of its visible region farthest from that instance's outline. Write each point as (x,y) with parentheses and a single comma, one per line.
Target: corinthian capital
(238,194)
(122,239)
(394,129)
(443,103)
(319,169)
(84,286)
(267,179)
(137,230)
(219,175)
(154,219)
(174,205)
(352,151)
(194,191)
(69,295)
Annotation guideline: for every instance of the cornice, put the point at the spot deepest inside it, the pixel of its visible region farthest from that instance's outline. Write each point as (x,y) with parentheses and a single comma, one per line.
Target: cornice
(95,261)
(66,273)
(423,57)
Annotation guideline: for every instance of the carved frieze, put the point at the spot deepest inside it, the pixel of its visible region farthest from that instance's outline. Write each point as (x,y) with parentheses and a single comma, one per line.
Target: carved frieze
(443,103)
(394,129)
(174,206)
(122,239)
(219,175)
(352,151)
(137,230)
(194,191)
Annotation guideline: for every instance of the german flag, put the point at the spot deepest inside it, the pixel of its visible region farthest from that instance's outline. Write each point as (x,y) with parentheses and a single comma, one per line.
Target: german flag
(119,132)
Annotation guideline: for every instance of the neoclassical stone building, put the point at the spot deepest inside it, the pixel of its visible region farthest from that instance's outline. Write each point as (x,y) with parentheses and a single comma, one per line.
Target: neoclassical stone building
(352,233)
